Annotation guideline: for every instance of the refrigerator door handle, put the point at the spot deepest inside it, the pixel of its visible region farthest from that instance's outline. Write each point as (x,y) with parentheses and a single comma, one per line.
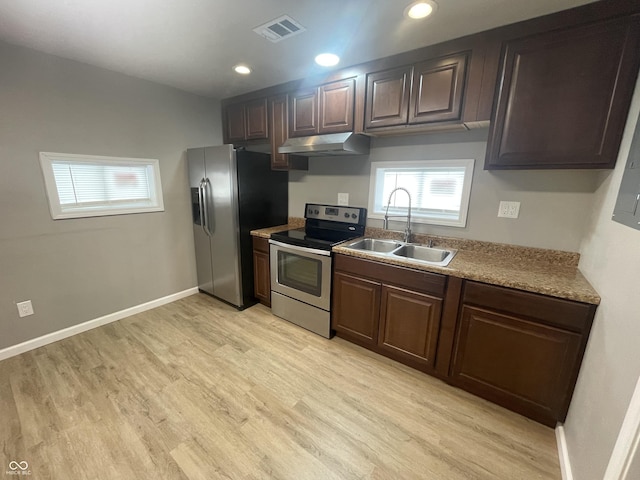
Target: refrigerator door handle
(200,201)
(205,222)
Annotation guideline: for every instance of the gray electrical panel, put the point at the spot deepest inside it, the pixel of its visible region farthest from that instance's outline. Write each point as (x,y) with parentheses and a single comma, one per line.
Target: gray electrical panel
(627,209)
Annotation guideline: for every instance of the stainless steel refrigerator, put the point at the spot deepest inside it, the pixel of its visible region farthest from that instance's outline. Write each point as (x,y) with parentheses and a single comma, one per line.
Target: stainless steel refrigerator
(232,193)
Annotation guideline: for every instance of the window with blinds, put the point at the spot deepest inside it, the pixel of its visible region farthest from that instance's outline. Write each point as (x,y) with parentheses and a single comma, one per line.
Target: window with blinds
(88,186)
(439,190)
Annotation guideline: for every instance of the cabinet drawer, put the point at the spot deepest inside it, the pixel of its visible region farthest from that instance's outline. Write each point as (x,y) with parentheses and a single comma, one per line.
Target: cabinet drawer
(425,282)
(260,244)
(566,314)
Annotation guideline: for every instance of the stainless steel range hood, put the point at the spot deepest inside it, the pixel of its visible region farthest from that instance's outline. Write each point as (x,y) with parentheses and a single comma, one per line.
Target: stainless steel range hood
(326,145)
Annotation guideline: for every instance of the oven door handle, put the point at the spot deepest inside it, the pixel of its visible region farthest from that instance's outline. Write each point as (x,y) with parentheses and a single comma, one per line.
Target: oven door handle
(326,253)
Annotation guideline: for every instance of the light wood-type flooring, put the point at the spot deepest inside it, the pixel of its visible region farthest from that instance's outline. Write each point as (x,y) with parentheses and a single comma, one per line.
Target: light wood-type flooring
(196,390)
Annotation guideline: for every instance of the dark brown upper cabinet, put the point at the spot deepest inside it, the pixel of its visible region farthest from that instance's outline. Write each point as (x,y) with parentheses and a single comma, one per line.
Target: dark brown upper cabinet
(279,127)
(563,97)
(246,121)
(556,90)
(328,108)
(256,121)
(427,92)
(387,101)
(279,124)
(336,102)
(235,128)
(303,113)
(437,88)
(392,310)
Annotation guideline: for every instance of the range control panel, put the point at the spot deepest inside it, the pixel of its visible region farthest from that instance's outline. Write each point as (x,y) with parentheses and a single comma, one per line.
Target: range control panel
(336,213)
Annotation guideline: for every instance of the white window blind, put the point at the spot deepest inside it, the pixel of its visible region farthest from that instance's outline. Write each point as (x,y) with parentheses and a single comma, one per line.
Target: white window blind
(439,190)
(85,186)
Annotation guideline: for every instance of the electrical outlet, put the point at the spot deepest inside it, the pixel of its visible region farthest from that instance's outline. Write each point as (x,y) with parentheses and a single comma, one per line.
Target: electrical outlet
(509,209)
(25,308)
(343,199)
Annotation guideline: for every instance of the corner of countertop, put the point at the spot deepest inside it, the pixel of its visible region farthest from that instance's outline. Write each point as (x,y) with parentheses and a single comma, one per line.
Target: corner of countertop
(293,222)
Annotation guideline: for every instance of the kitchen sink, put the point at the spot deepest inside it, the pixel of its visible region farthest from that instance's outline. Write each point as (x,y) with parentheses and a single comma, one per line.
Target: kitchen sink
(403,251)
(433,256)
(375,245)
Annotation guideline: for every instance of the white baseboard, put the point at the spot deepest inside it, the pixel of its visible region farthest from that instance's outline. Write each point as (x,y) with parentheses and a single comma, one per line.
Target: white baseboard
(96,322)
(563,453)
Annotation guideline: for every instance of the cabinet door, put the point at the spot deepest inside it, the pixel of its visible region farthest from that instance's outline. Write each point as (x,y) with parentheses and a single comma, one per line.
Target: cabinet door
(564,97)
(336,107)
(303,113)
(409,324)
(235,131)
(261,277)
(437,90)
(356,307)
(387,100)
(524,366)
(256,120)
(279,131)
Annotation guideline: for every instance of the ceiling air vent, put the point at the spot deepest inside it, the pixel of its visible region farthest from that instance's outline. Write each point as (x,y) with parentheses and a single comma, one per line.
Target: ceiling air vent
(279,29)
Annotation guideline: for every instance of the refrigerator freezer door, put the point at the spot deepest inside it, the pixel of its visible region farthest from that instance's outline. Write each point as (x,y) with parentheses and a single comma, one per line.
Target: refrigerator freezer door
(195,160)
(222,197)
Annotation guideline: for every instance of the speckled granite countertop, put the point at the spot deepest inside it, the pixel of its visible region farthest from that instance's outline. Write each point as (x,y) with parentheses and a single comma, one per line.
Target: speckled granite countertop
(537,270)
(266,232)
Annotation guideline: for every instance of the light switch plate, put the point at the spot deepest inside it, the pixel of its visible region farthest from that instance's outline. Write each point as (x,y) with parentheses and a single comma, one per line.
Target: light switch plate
(509,209)
(343,199)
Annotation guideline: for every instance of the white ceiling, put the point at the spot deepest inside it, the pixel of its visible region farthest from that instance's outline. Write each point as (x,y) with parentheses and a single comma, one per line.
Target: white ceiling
(192,44)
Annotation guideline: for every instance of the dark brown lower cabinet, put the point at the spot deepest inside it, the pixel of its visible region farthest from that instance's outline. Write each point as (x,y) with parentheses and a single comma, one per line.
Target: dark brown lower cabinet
(261,271)
(409,324)
(520,350)
(357,307)
(392,310)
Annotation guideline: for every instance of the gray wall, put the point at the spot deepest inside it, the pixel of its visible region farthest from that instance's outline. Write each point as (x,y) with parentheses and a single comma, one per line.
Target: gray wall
(610,259)
(555,205)
(79,269)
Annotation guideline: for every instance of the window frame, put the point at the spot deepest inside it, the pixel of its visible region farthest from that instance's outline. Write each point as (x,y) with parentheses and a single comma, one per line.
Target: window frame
(59,212)
(468,164)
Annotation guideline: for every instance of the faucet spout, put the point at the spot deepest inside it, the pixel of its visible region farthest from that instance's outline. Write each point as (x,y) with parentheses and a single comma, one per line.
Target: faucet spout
(385,225)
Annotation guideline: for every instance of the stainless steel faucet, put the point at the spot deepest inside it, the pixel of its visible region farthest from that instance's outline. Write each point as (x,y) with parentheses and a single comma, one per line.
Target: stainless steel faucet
(407,231)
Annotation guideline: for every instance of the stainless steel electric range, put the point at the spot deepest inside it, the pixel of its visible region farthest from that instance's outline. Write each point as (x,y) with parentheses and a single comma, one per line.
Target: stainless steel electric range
(301,264)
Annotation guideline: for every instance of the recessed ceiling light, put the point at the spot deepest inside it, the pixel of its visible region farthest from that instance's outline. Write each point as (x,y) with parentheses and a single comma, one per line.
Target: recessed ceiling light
(420,9)
(327,59)
(242,69)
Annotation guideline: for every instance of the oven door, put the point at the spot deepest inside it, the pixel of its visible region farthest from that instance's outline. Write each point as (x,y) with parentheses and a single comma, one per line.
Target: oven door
(301,273)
